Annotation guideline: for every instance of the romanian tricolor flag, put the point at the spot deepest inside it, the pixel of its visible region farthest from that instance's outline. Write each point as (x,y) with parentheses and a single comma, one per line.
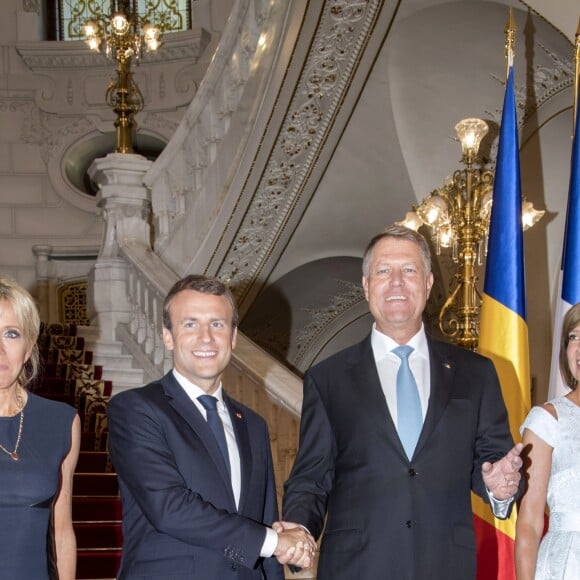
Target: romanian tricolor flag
(569,281)
(503,328)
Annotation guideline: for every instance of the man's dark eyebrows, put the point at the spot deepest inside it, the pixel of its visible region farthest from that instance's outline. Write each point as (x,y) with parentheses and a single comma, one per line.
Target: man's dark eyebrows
(196,319)
(188,319)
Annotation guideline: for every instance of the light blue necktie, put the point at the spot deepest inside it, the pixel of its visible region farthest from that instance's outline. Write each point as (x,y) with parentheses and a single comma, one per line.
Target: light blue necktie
(215,424)
(409,414)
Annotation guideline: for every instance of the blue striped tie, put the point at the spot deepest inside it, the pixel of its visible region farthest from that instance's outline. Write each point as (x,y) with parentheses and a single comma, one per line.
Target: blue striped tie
(409,414)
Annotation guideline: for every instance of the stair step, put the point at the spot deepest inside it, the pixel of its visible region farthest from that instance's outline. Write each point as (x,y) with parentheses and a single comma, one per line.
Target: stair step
(48,385)
(123,377)
(116,363)
(96,509)
(71,371)
(102,484)
(97,563)
(89,441)
(117,360)
(103,535)
(99,347)
(104,348)
(92,462)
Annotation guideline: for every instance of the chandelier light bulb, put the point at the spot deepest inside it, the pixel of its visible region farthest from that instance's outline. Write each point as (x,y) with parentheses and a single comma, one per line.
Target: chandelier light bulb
(434,210)
(411,221)
(93,42)
(152,44)
(530,215)
(151,37)
(446,236)
(150,32)
(119,24)
(470,132)
(91,28)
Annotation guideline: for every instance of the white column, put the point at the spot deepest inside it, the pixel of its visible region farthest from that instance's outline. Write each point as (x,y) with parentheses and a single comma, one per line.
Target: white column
(125,203)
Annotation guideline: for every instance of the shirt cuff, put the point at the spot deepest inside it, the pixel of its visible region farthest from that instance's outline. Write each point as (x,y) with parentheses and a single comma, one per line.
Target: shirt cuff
(270,543)
(499,507)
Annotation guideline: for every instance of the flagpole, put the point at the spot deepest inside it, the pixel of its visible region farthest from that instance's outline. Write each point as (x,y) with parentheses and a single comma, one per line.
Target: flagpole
(576,72)
(510,38)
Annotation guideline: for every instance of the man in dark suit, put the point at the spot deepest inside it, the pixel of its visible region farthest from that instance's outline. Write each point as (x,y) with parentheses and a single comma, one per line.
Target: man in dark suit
(194,466)
(397,497)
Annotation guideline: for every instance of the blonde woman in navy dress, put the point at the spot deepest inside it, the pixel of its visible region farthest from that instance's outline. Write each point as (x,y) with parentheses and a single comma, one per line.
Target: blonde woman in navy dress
(39,447)
(551,435)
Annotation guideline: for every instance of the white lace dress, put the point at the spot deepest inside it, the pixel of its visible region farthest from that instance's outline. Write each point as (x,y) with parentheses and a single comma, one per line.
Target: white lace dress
(559,553)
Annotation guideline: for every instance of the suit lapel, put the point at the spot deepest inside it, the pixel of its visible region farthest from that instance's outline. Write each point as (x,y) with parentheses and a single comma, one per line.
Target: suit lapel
(244,448)
(442,372)
(185,407)
(365,377)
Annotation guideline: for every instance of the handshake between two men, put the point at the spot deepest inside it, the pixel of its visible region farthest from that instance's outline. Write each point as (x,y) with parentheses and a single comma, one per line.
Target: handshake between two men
(296,547)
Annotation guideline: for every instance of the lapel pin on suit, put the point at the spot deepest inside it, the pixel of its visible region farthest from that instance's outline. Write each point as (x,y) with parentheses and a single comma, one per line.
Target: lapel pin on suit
(447,365)
(238,415)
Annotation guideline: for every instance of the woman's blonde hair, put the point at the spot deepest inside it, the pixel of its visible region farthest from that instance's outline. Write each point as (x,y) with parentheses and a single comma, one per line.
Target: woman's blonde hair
(28,319)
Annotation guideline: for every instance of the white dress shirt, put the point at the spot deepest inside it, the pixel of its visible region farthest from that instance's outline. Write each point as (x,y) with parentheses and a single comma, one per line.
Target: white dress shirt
(193,392)
(388,364)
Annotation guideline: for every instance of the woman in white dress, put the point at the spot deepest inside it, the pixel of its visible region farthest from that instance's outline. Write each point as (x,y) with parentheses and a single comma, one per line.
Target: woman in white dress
(551,437)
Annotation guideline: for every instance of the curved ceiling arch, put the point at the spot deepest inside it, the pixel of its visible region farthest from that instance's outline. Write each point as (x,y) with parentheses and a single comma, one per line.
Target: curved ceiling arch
(315,308)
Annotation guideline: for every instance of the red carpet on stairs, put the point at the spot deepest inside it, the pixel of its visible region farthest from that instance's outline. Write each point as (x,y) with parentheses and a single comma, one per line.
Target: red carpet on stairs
(67,374)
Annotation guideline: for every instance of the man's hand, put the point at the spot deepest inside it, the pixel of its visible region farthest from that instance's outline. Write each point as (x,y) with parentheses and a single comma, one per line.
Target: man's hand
(296,546)
(502,478)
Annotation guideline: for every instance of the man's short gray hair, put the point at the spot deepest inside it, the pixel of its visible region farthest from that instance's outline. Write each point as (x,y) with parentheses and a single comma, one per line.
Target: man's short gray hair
(399,233)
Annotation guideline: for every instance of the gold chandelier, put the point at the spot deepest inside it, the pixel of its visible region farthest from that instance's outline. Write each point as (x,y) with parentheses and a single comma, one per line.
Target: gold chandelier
(123,37)
(458,216)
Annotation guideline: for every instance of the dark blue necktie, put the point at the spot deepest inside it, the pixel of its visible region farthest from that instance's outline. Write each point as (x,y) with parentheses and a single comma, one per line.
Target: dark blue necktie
(215,424)
(409,414)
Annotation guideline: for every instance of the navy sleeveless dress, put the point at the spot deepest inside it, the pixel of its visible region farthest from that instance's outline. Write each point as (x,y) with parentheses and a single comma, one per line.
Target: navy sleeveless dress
(28,486)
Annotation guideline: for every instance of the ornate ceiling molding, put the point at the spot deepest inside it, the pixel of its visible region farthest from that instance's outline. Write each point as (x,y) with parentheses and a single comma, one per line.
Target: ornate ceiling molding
(31,6)
(545,82)
(321,318)
(337,47)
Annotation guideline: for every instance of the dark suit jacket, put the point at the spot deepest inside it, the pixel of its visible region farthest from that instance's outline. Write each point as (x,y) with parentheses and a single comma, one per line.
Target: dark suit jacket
(179,515)
(389,517)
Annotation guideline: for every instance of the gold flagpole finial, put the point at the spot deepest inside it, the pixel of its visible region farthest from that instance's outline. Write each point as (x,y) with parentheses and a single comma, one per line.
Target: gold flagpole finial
(510,39)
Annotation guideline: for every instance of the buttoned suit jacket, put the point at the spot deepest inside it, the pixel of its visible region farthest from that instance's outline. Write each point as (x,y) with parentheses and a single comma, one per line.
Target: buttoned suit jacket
(390,517)
(179,514)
